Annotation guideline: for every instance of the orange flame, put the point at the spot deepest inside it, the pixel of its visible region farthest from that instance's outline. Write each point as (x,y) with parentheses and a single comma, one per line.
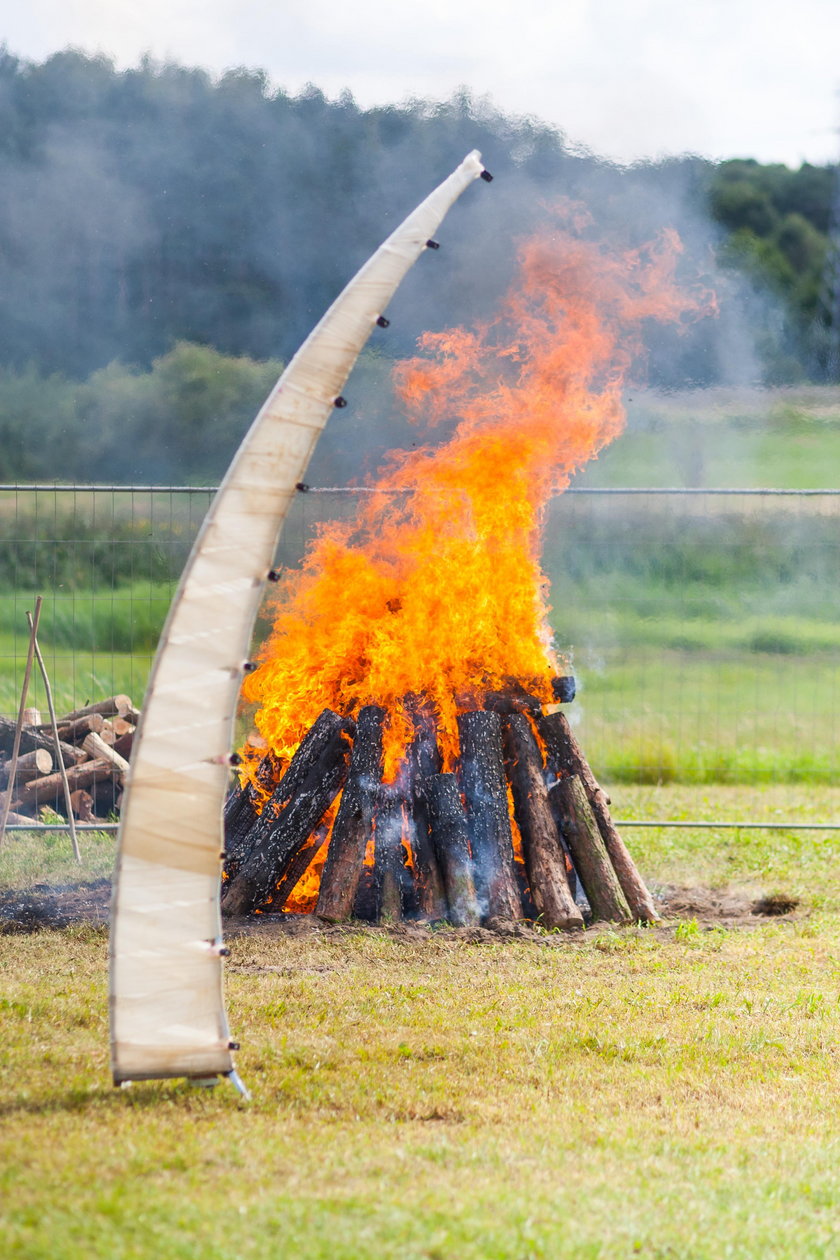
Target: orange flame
(436,587)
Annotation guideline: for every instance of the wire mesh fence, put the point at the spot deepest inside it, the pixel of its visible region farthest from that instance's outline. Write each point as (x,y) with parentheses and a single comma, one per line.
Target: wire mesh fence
(703,626)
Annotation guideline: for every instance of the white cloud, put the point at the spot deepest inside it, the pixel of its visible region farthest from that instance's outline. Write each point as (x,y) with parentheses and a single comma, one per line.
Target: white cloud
(628,78)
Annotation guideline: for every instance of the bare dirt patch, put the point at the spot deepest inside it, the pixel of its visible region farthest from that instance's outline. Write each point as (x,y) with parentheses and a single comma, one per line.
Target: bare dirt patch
(44,906)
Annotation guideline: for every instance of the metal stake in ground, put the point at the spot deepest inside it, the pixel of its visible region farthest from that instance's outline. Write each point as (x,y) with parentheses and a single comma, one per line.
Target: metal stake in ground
(24,692)
(62,769)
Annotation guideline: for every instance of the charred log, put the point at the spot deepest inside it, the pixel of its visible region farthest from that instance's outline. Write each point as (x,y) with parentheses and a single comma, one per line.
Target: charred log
(543,850)
(354,820)
(488,821)
(277,836)
(424,760)
(573,815)
(449,836)
(566,758)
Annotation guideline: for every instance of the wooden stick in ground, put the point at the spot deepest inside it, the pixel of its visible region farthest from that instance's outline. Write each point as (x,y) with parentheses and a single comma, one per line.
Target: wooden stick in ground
(564,754)
(353,822)
(573,815)
(68,804)
(488,820)
(544,858)
(24,692)
(450,839)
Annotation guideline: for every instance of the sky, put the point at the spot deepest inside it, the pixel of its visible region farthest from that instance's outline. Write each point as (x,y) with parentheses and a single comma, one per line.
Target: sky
(627,79)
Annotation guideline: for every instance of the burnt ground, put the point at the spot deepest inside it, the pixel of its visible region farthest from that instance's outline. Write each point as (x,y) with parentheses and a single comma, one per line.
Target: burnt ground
(43,907)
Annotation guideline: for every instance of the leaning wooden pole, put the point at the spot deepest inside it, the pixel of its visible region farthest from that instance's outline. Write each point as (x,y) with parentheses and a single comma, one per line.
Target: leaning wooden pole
(167,1006)
(24,692)
(62,769)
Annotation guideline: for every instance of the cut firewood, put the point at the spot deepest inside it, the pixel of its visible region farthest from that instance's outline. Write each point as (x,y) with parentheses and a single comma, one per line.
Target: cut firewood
(121,726)
(20,820)
(112,705)
(566,758)
(354,820)
(31,717)
(391,878)
(543,850)
(31,738)
(575,818)
(74,732)
(124,744)
(485,793)
(275,839)
(95,747)
(31,765)
(449,836)
(45,791)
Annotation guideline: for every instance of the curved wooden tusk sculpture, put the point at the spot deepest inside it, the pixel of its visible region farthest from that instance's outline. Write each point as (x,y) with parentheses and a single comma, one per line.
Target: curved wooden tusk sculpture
(167,1006)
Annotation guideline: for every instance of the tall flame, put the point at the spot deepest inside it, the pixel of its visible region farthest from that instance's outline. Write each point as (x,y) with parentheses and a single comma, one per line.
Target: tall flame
(435,589)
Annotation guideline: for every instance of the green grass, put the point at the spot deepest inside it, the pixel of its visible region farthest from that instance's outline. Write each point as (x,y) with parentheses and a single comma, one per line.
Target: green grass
(668,1093)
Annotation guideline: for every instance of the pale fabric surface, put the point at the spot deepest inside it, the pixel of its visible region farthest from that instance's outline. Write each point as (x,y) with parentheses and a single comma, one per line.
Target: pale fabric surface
(167,1007)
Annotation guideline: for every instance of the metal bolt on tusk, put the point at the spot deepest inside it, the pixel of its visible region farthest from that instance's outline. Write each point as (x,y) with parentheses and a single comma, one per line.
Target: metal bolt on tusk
(302,486)
(382,322)
(430,244)
(487,177)
(234,759)
(233,1045)
(249,667)
(339,402)
(273,575)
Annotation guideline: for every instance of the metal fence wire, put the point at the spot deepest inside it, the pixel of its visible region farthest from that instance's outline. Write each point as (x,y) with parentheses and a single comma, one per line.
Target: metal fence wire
(703,626)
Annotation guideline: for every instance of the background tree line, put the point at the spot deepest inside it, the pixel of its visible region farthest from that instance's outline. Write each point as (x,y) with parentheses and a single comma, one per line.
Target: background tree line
(167,238)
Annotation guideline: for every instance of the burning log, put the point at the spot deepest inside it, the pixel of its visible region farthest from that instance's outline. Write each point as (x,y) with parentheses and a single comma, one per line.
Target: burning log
(354,821)
(424,761)
(392,883)
(574,817)
(451,843)
(286,823)
(566,758)
(488,820)
(242,805)
(544,856)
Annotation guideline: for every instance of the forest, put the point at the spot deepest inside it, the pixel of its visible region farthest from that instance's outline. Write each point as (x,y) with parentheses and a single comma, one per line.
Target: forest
(167,239)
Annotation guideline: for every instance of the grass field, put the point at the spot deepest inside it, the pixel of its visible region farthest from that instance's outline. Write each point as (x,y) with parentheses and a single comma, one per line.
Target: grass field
(668,1093)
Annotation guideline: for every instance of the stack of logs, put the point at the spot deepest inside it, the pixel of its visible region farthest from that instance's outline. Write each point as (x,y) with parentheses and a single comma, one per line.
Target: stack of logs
(507,837)
(94,744)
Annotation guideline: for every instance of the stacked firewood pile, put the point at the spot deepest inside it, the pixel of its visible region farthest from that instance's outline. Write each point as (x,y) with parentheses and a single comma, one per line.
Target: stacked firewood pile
(514,833)
(94,746)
